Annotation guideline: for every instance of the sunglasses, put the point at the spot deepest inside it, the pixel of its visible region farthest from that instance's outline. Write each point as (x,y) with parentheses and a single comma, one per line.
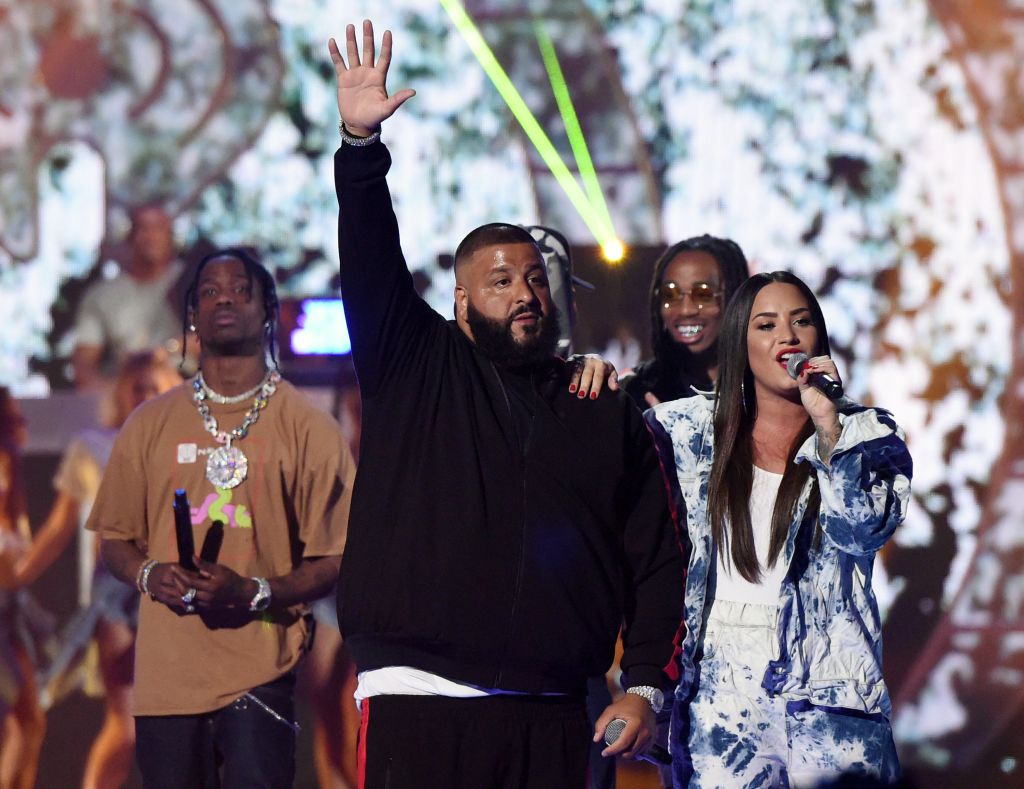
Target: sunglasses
(701,293)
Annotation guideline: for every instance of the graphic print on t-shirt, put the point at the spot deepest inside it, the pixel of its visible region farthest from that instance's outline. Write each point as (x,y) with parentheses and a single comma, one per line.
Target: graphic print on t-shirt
(217,507)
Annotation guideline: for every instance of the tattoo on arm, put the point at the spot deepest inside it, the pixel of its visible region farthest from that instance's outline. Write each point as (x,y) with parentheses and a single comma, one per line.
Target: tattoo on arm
(828,437)
(313,578)
(322,574)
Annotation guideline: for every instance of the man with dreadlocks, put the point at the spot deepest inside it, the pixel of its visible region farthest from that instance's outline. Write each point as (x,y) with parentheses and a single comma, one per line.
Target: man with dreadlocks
(693,281)
(217,646)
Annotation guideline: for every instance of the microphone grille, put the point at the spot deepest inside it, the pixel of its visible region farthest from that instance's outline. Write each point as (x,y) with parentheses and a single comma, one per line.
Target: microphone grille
(613,731)
(795,363)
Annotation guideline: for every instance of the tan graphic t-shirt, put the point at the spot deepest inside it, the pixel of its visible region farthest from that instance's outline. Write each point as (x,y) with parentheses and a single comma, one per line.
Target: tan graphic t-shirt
(293,503)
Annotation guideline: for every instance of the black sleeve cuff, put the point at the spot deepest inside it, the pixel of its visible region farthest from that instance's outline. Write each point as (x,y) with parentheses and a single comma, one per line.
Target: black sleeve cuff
(646,675)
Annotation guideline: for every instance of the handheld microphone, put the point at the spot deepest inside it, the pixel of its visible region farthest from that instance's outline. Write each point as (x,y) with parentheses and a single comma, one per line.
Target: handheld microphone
(820,381)
(183,531)
(655,754)
(212,542)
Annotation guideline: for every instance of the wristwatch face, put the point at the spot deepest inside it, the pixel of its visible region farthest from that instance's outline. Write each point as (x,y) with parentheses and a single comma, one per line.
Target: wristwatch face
(261,602)
(651,695)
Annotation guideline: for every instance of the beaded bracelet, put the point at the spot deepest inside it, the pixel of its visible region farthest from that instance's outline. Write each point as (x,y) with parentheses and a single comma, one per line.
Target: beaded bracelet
(349,138)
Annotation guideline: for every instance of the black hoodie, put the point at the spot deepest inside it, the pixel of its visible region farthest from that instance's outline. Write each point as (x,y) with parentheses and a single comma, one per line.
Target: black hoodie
(501,529)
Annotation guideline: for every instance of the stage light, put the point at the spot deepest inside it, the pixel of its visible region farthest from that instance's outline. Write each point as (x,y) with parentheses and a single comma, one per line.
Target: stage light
(613,250)
(594,215)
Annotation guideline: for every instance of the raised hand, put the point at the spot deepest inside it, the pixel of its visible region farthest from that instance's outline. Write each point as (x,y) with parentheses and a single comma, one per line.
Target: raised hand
(363,99)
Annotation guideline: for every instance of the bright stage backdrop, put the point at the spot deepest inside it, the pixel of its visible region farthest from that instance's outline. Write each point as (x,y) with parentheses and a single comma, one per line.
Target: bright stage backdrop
(872,147)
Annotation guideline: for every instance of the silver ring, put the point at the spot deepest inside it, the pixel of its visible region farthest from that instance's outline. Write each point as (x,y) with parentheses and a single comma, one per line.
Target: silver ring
(189,595)
(190,609)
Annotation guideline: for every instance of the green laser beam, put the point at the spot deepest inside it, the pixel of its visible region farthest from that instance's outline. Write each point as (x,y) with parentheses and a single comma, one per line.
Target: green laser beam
(573,130)
(595,221)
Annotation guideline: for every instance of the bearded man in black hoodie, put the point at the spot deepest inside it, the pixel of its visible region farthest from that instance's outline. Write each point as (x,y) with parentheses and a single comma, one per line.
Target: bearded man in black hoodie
(502,528)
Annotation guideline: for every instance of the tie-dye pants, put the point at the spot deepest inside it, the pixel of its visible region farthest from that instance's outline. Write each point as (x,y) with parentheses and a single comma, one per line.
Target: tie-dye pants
(732,733)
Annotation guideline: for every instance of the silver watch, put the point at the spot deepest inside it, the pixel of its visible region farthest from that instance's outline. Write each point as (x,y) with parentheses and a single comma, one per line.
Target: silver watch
(261,600)
(651,694)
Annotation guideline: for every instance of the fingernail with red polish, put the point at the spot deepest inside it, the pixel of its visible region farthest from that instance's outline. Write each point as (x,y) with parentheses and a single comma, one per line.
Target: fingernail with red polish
(593,395)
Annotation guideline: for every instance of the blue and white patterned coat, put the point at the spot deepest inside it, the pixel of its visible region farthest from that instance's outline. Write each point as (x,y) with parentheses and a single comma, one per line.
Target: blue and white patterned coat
(829,627)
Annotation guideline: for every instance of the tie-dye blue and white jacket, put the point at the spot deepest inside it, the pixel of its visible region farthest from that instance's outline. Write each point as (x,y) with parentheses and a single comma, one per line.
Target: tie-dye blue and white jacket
(829,627)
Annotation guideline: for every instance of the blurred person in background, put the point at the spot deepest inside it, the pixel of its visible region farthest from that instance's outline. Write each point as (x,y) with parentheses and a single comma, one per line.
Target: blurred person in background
(23,626)
(109,612)
(692,283)
(135,310)
(327,677)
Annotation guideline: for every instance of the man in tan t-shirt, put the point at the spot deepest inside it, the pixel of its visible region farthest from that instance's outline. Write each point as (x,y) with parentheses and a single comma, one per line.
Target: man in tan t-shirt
(217,647)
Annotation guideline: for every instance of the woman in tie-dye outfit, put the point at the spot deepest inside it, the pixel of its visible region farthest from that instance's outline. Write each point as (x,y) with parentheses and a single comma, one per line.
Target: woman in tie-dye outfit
(787,495)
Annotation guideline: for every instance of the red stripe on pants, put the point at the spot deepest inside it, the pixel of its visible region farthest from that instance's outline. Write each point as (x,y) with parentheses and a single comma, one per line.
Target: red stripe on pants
(361,748)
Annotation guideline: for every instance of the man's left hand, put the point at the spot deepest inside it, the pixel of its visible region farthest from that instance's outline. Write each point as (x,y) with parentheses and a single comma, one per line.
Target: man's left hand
(639,734)
(590,373)
(221,587)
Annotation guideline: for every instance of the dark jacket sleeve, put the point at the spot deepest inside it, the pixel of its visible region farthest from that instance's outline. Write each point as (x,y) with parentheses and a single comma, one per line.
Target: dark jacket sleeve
(636,387)
(655,569)
(387,321)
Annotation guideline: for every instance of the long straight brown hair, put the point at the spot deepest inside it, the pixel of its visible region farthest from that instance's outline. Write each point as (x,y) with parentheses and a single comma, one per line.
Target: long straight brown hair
(732,470)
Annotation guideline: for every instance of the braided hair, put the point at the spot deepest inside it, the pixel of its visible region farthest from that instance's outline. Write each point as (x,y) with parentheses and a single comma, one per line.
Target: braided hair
(674,370)
(255,271)
(732,265)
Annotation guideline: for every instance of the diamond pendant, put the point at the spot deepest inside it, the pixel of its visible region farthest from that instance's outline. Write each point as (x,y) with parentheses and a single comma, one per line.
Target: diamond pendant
(226,467)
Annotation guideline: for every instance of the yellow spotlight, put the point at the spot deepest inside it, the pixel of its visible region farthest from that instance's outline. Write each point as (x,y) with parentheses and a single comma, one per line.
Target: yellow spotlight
(613,250)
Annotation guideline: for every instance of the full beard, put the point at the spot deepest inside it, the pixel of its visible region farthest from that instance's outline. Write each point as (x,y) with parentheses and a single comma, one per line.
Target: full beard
(496,341)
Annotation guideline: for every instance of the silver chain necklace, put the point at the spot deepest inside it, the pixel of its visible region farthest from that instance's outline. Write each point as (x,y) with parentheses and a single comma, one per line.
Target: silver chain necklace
(220,399)
(227,466)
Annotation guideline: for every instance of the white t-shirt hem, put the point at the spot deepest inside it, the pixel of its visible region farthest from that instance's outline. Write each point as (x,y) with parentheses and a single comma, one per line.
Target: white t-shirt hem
(409,681)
